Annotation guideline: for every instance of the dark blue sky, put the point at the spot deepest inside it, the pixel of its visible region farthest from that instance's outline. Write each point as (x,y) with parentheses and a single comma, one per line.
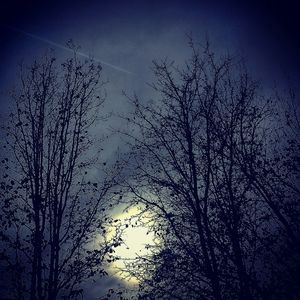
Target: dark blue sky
(132,33)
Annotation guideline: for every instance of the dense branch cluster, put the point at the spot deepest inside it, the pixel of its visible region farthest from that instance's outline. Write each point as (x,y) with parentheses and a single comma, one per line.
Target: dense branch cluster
(220,174)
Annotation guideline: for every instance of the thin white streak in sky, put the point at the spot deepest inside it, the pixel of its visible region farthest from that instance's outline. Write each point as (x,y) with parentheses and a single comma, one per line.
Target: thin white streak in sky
(68,49)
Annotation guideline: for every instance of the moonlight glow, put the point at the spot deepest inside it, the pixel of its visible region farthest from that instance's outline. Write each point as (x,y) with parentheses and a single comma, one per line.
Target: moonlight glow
(136,240)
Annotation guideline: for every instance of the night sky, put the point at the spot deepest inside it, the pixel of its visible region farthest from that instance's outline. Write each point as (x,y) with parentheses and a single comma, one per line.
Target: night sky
(127,35)
(130,34)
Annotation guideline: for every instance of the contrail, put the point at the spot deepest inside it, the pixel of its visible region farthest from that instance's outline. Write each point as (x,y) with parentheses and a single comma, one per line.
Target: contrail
(68,49)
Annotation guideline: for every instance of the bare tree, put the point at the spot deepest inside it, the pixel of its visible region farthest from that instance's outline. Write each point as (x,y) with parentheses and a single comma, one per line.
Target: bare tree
(52,209)
(193,150)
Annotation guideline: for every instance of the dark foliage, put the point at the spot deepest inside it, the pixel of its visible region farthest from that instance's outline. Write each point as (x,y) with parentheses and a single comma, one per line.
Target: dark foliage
(50,211)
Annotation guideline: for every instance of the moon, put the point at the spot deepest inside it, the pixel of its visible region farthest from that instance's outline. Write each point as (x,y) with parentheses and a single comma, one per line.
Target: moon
(137,240)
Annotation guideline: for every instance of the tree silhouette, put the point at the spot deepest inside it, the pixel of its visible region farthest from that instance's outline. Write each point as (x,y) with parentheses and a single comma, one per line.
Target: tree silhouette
(219,174)
(214,161)
(50,210)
